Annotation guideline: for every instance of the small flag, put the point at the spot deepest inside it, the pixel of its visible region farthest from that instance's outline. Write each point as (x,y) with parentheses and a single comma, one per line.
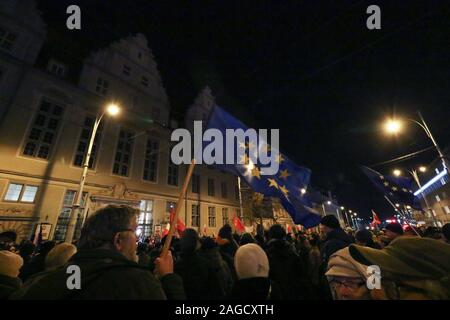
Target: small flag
(238,225)
(376,219)
(180,225)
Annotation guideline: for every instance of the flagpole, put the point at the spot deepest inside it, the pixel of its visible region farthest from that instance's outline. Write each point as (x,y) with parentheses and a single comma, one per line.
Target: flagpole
(414,229)
(174,222)
(240,198)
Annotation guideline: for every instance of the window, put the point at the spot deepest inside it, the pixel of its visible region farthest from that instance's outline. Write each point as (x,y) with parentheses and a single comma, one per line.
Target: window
(145,220)
(64,215)
(172,176)
(211,217)
(447,210)
(83,143)
(195,183)
(21,193)
(195,217)
(102,86)
(144,81)
(225,217)
(211,191)
(438,199)
(224,190)
(56,68)
(124,152)
(156,113)
(44,130)
(151,160)
(7,39)
(126,70)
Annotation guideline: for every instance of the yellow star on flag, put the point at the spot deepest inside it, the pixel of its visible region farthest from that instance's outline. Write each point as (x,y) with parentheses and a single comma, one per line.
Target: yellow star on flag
(272,183)
(280,158)
(394,188)
(284,190)
(386,184)
(284,174)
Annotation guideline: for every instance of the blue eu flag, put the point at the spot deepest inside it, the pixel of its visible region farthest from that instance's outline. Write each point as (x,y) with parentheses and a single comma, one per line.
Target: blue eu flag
(397,189)
(289,184)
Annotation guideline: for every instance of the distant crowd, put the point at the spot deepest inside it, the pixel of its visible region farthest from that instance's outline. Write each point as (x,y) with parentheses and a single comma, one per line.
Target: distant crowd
(270,265)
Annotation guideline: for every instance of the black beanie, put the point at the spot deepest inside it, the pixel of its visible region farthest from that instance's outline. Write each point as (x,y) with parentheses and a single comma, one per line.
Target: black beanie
(330,221)
(395,228)
(226,232)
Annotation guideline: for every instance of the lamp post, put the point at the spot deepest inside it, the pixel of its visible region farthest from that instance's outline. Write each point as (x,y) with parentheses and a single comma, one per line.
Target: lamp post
(415,175)
(112,110)
(394,126)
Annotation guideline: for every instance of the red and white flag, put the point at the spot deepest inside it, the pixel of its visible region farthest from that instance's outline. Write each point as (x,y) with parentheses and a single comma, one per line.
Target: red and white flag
(238,225)
(376,220)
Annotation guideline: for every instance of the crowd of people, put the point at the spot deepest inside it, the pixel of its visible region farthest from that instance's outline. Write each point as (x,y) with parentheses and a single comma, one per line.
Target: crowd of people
(270,265)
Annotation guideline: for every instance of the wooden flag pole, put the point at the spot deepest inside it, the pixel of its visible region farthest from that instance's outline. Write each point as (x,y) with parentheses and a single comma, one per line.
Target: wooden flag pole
(173,224)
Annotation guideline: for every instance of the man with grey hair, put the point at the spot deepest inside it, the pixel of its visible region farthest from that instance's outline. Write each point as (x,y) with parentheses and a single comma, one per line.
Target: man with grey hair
(106,259)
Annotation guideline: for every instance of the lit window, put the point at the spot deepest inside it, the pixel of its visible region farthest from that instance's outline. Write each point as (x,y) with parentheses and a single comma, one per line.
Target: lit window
(145,220)
(64,215)
(14,191)
(438,199)
(21,193)
(29,194)
(225,217)
(83,143)
(447,210)
(172,174)
(212,217)
(195,218)
(7,39)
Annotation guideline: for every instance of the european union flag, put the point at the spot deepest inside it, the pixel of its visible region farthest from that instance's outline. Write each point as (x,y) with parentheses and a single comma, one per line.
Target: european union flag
(288,184)
(397,189)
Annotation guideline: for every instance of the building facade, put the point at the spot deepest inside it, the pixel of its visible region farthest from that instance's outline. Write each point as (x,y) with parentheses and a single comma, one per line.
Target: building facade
(46,121)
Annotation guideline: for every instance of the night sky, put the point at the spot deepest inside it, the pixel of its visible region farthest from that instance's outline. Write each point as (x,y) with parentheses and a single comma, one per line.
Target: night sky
(310,68)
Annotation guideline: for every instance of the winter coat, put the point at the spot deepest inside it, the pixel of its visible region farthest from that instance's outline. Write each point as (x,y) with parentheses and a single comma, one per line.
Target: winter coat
(8,285)
(335,240)
(105,275)
(201,280)
(218,264)
(287,270)
(255,289)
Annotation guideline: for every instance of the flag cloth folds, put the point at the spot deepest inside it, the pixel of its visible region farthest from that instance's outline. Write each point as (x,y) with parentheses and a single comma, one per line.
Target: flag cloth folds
(238,225)
(287,184)
(180,227)
(397,189)
(376,219)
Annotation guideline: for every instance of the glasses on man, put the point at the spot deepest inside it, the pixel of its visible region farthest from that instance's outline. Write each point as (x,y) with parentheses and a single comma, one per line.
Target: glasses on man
(351,285)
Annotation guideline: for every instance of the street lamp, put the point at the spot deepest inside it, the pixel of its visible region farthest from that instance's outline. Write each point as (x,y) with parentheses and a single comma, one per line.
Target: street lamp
(112,110)
(415,175)
(397,173)
(394,126)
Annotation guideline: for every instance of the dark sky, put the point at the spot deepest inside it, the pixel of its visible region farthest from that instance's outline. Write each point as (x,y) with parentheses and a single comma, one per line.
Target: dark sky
(310,68)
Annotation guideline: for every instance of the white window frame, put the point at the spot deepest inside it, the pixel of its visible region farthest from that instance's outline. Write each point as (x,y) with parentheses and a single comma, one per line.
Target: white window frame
(22,191)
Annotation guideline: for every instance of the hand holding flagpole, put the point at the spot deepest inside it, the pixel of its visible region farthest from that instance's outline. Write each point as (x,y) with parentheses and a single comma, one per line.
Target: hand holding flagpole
(174,221)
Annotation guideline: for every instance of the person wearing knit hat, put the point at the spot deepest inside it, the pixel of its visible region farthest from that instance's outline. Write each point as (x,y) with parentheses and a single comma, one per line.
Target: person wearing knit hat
(411,268)
(10,264)
(393,230)
(330,221)
(335,237)
(252,268)
(347,277)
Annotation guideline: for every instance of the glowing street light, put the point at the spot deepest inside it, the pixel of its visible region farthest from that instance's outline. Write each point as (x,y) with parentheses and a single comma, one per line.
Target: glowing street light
(397,172)
(328,202)
(393,126)
(113,110)
(302,190)
(423,169)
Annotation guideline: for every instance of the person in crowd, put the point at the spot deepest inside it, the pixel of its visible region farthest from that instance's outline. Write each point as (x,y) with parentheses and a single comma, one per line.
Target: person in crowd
(26,250)
(143,254)
(10,264)
(302,246)
(412,268)
(364,237)
(59,255)
(335,237)
(252,268)
(201,280)
(392,231)
(210,250)
(107,259)
(409,231)
(446,233)
(314,260)
(347,277)
(433,233)
(286,267)
(227,246)
(246,238)
(37,263)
